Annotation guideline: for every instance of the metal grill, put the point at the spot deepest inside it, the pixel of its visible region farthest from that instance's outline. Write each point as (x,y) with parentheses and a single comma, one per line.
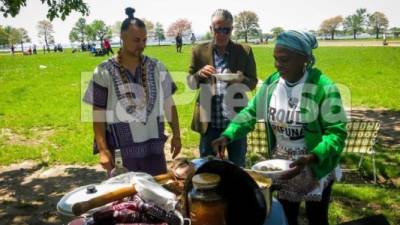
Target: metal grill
(361,136)
(257,139)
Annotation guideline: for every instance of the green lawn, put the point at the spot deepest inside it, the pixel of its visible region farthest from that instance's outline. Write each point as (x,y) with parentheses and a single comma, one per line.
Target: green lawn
(40,109)
(51,97)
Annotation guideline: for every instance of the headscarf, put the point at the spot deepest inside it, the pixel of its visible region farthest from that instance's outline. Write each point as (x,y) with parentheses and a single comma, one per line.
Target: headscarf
(300,42)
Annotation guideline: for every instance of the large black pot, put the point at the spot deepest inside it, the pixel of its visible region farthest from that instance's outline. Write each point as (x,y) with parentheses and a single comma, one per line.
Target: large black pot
(245,202)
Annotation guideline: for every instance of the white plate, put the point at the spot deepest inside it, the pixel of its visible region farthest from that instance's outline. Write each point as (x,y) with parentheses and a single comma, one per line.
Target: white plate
(282,164)
(227,76)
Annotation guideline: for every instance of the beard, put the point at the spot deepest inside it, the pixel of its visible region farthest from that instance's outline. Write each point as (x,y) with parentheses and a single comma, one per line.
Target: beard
(135,53)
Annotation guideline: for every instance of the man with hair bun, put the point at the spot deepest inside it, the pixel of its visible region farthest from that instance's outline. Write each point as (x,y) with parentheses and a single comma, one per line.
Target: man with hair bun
(131,95)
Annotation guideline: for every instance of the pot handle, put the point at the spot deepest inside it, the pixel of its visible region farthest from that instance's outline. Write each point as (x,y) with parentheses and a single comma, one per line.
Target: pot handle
(82,207)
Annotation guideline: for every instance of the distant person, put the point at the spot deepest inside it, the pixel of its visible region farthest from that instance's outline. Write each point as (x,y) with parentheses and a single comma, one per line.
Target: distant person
(83,47)
(12,49)
(107,47)
(178,40)
(193,39)
(60,48)
(34,49)
(55,48)
(385,42)
(48,49)
(30,51)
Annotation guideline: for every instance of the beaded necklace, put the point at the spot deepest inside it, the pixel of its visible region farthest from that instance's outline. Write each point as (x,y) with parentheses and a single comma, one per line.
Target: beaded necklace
(124,78)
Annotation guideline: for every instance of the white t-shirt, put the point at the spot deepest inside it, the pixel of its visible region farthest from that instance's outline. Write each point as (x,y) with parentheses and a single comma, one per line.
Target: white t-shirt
(284,118)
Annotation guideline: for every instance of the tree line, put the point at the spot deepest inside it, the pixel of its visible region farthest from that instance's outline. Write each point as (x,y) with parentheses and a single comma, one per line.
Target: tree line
(361,21)
(246,26)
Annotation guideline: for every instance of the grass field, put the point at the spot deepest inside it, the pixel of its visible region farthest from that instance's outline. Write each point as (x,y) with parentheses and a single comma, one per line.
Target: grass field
(35,100)
(40,109)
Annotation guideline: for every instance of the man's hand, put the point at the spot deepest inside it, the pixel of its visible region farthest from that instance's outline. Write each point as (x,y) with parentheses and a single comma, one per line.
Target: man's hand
(207,71)
(298,166)
(106,160)
(175,146)
(219,146)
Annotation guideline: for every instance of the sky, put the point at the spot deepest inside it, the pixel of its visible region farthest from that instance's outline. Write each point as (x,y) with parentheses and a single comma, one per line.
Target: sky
(289,14)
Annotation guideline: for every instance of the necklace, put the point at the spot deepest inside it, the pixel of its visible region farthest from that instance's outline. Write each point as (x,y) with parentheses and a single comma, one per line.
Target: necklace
(134,102)
(289,86)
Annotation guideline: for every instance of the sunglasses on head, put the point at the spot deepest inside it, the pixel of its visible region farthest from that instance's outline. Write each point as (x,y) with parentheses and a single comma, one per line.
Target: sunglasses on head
(224,30)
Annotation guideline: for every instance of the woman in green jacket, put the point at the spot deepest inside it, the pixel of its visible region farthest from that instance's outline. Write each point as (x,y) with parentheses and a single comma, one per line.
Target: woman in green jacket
(305,122)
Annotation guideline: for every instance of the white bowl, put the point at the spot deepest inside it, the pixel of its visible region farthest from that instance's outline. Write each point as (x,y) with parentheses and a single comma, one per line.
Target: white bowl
(281,164)
(227,76)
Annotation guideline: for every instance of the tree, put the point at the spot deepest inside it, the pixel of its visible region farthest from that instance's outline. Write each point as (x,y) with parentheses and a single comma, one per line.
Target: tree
(395,31)
(79,31)
(207,36)
(98,30)
(182,26)
(46,32)
(356,22)
(331,25)
(12,35)
(276,31)
(246,24)
(159,33)
(24,37)
(116,30)
(57,9)
(3,36)
(378,23)
(149,28)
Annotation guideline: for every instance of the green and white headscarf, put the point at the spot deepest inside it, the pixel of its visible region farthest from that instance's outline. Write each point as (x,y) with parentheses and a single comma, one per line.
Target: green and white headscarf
(300,42)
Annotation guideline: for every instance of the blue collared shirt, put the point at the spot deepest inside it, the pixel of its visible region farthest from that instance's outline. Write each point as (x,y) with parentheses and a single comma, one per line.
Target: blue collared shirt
(218,120)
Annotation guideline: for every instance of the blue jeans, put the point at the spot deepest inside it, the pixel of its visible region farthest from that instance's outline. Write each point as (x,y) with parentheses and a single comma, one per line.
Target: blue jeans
(236,150)
(277,215)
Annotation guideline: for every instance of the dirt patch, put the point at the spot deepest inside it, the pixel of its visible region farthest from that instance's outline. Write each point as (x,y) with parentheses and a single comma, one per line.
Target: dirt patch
(29,192)
(36,137)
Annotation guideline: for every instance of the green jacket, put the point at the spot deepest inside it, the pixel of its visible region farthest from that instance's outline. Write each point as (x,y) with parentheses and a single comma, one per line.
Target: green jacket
(321,111)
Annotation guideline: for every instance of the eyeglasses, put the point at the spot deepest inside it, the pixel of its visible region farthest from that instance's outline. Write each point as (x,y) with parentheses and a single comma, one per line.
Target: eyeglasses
(224,30)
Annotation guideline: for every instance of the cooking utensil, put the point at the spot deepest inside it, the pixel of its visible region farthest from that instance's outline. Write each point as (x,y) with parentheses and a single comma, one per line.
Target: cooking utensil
(83,199)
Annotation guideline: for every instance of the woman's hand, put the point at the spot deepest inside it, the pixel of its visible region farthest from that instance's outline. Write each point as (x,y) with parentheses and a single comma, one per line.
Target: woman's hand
(106,160)
(176,146)
(298,166)
(219,146)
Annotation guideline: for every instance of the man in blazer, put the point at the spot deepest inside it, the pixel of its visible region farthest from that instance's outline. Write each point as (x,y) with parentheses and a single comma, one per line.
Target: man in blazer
(218,100)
